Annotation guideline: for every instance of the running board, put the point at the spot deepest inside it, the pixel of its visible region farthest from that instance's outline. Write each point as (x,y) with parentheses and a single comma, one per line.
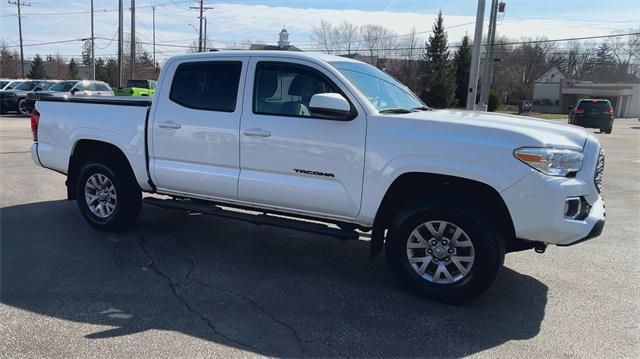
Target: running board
(263,218)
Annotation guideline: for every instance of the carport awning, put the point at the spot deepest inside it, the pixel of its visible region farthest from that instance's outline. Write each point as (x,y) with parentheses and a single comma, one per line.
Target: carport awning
(596,92)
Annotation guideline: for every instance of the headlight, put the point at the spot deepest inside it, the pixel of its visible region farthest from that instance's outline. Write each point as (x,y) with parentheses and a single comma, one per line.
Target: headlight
(551,161)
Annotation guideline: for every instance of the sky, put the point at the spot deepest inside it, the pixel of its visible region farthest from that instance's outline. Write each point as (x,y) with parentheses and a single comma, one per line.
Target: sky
(232,22)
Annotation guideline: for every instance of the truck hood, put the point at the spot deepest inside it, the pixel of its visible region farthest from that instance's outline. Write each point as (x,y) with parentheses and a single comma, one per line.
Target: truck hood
(520,131)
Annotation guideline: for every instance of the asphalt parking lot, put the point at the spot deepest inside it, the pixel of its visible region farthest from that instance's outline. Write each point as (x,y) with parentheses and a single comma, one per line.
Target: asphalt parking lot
(197,286)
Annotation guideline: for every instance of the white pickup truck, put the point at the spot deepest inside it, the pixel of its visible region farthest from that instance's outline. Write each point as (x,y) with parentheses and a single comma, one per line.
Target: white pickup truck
(283,138)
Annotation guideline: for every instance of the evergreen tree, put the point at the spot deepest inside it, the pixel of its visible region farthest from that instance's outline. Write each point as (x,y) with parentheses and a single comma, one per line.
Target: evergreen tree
(37,68)
(74,71)
(438,80)
(462,60)
(86,53)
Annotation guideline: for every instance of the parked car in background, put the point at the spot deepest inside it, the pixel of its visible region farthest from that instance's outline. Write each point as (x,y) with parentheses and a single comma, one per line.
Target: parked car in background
(15,99)
(8,84)
(593,113)
(70,88)
(137,88)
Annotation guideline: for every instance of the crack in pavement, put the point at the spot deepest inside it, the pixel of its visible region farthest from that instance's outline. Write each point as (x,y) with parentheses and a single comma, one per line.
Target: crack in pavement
(298,339)
(182,300)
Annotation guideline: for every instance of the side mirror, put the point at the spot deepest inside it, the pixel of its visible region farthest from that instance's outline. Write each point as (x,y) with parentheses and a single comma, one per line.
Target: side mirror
(570,108)
(330,106)
(73,91)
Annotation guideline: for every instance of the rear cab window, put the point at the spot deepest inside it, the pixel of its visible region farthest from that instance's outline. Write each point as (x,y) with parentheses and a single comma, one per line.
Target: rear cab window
(209,86)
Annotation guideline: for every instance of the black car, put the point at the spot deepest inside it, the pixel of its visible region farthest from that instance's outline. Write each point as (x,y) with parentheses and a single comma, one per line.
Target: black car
(15,99)
(593,113)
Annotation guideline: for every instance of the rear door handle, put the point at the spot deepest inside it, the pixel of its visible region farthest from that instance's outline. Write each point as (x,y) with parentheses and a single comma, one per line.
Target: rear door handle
(169,125)
(256,132)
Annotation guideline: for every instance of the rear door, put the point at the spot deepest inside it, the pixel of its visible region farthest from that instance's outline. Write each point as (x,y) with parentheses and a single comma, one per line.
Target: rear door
(194,145)
(291,159)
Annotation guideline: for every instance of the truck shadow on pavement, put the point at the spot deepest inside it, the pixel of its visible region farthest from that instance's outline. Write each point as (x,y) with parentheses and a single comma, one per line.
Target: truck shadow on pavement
(269,291)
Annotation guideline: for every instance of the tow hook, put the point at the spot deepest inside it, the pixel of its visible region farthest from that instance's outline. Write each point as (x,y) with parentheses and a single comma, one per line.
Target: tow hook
(540,247)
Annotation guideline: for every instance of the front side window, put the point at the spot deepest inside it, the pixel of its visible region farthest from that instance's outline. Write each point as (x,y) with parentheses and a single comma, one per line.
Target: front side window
(381,90)
(210,86)
(102,87)
(82,86)
(27,86)
(286,89)
(63,86)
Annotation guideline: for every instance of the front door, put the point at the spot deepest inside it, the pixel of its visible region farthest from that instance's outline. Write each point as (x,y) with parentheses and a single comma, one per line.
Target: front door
(291,159)
(194,147)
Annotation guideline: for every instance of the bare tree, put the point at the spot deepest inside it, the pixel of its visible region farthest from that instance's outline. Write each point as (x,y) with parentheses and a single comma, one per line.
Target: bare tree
(347,37)
(378,42)
(409,55)
(324,36)
(9,62)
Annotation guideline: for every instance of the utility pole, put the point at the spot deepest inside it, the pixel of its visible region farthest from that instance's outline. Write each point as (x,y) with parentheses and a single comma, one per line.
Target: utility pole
(93,47)
(120,48)
(154,35)
(475,58)
(491,36)
(132,59)
(205,35)
(202,9)
(19,4)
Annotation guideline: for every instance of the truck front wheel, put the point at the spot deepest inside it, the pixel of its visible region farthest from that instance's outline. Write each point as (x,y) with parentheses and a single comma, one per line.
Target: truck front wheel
(107,194)
(443,252)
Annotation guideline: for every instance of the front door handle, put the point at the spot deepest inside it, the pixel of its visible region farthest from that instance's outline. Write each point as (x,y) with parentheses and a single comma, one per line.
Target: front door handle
(169,125)
(256,132)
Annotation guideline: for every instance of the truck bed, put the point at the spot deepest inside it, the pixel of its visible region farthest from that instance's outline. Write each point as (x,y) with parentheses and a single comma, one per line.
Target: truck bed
(66,121)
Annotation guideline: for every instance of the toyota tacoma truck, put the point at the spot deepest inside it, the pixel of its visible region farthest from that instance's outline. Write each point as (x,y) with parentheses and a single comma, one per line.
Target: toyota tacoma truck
(330,145)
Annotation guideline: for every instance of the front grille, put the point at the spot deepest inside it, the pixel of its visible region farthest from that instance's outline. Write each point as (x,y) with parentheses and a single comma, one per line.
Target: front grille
(597,177)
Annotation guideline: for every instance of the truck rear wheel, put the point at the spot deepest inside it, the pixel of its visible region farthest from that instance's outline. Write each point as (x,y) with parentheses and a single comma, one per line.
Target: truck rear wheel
(443,252)
(107,194)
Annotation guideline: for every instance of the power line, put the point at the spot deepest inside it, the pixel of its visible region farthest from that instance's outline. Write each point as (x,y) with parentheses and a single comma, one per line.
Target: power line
(19,4)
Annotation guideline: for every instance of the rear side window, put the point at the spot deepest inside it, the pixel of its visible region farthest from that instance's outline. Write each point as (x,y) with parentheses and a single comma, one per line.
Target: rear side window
(594,105)
(211,86)
(102,87)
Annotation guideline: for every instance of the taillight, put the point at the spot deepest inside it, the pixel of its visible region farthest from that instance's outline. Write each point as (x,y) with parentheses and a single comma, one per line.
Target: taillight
(579,110)
(35,119)
(608,111)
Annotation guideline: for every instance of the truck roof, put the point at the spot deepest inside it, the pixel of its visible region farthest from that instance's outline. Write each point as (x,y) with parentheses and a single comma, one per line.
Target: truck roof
(265,53)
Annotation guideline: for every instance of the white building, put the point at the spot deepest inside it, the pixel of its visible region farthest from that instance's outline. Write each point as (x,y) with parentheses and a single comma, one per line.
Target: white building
(553,92)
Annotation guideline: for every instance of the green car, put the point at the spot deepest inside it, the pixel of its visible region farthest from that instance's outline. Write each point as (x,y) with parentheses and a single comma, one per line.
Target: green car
(137,88)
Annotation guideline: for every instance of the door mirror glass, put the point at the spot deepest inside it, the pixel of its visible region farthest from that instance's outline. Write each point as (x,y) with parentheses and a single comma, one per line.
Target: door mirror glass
(570,108)
(330,105)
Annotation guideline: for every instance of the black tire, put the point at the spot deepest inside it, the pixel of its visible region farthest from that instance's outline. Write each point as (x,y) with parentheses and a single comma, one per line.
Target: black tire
(488,246)
(22,107)
(129,195)
(606,130)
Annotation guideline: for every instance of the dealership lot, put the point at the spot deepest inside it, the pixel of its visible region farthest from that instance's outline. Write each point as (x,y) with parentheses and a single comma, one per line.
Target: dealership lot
(190,285)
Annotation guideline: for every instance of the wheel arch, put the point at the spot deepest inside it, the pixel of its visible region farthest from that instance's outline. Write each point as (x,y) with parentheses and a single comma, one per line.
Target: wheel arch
(407,187)
(84,150)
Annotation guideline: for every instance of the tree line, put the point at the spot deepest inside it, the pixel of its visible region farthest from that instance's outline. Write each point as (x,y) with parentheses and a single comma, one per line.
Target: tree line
(439,71)
(55,66)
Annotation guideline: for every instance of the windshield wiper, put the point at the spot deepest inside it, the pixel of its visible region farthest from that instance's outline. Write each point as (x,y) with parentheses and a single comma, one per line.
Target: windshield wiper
(422,108)
(396,110)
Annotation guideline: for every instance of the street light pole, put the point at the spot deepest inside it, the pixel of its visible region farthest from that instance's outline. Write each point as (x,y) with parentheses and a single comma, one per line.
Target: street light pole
(486,76)
(120,48)
(93,48)
(475,58)
(132,57)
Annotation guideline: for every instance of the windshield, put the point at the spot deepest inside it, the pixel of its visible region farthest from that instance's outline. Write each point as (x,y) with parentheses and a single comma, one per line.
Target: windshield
(138,83)
(26,86)
(63,86)
(383,91)
(13,84)
(3,84)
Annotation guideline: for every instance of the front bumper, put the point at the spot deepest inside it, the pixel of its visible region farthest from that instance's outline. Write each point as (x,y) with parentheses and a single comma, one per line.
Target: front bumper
(537,204)
(9,103)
